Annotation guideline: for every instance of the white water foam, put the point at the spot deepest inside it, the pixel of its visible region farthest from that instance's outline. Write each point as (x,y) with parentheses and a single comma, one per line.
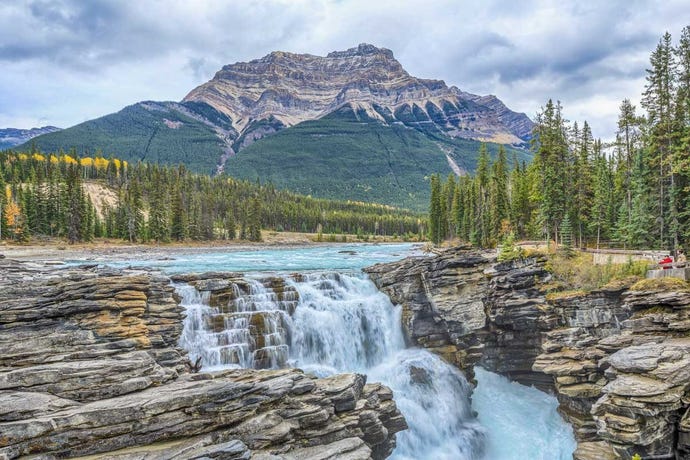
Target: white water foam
(342,323)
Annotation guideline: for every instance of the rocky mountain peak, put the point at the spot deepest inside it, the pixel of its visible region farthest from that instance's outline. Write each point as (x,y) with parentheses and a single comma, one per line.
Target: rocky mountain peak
(287,89)
(363,49)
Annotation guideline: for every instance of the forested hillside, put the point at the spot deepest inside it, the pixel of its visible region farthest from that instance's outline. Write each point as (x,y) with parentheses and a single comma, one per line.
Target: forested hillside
(44,195)
(349,155)
(168,133)
(633,192)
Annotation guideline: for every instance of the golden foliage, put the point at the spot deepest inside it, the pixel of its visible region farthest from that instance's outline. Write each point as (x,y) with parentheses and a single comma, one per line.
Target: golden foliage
(68,160)
(12,213)
(101,163)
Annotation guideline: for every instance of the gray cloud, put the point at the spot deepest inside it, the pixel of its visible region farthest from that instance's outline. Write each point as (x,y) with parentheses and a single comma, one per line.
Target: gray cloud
(65,61)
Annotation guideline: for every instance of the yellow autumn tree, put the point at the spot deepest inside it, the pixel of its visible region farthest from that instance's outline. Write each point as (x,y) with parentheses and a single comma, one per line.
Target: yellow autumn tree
(12,214)
(101,163)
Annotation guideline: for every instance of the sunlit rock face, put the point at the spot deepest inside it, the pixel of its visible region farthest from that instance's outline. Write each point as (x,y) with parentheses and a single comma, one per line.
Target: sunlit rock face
(284,89)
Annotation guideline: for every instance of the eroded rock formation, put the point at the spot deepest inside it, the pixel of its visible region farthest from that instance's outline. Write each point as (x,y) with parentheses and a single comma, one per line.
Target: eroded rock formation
(617,359)
(90,365)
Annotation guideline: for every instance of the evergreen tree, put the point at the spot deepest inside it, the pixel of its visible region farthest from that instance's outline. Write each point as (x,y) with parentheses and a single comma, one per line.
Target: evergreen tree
(482,210)
(551,153)
(254,220)
(75,205)
(567,237)
(435,211)
(658,101)
(499,195)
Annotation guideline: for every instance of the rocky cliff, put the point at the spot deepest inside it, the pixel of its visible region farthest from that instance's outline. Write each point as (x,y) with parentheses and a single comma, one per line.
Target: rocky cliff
(90,365)
(617,358)
(291,88)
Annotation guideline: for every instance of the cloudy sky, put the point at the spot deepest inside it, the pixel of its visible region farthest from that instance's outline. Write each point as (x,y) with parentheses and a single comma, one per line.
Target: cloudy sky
(66,61)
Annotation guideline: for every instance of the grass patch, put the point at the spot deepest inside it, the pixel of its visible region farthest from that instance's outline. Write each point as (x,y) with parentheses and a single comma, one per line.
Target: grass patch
(652,311)
(579,272)
(661,284)
(570,294)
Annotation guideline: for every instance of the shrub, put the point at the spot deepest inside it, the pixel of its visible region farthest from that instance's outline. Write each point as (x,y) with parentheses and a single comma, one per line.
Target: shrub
(580,272)
(508,250)
(660,284)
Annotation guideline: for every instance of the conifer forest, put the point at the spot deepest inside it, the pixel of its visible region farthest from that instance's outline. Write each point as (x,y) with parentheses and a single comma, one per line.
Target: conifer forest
(44,195)
(633,192)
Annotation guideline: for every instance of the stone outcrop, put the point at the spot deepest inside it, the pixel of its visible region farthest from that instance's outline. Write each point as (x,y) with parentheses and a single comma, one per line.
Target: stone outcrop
(90,365)
(283,89)
(622,371)
(470,310)
(618,359)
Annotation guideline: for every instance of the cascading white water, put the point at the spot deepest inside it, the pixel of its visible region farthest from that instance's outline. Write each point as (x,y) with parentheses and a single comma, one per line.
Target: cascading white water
(343,323)
(248,332)
(327,323)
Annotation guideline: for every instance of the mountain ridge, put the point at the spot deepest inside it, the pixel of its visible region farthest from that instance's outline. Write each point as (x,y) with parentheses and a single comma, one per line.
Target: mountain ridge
(353,124)
(292,88)
(10,137)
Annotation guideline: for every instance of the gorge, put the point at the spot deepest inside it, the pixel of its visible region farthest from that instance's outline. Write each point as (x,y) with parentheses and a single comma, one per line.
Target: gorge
(100,359)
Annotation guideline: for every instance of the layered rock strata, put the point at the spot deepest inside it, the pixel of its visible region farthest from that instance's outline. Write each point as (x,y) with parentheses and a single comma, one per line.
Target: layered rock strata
(617,359)
(90,365)
(283,89)
(470,310)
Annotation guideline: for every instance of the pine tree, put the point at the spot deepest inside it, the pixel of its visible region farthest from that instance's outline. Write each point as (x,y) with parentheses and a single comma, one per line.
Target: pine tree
(76,215)
(447,193)
(482,210)
(499,195)
(642,222)
(435,211)
(681,159)
(551,153)
(457,210)
(254,220)
(658,101)
(567,237)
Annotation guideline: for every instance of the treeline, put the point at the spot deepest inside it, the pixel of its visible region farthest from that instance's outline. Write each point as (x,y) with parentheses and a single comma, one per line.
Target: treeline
(45,195)
(633,192)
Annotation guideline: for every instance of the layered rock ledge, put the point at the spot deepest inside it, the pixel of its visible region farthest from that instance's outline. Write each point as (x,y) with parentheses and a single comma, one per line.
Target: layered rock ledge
(617,359)
(90,365)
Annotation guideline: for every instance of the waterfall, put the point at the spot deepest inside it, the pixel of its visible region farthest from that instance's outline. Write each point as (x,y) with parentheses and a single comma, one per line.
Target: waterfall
(250,330)
(327,323)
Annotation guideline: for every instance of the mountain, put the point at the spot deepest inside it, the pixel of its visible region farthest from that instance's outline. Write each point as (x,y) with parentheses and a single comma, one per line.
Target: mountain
(291,88)
(351,125)
(10,137)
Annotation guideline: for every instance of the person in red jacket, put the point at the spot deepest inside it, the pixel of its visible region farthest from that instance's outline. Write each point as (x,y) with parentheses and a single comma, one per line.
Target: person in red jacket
(666,262)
